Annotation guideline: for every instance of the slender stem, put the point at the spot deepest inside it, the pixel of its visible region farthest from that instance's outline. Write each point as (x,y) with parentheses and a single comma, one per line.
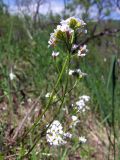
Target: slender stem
(113,105)
(51,98)
(62,101)
(66,85)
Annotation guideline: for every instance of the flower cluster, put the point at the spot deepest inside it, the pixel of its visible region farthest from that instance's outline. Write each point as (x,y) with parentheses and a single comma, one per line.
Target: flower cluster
(82,139)
(55,54)
(48,95)
(75,121)
(73,22)
(66,33)
(12,76)
(55,134)
(82,51)
(77,72)
(81,104)
(61,33)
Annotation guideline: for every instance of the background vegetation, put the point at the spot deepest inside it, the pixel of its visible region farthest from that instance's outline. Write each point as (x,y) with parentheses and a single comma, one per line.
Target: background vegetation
(24,51)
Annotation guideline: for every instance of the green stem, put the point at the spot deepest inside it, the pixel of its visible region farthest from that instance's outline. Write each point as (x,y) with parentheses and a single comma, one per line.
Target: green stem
(62,101)
(51,98)
(112,79)
(113,105)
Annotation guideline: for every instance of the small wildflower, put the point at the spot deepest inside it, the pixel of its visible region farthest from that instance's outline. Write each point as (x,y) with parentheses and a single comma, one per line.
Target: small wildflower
(12,76)
(74,46)
(55,134)
(74,118)
(85,31)
(52,40)
(59,34)
(48,95)
(105,59)
(82,139)
(118,60)
(55,54)
(77,72)
(85,98)
(46,154)
(71,72)
(81,104)
(68,135)
(65,31)
(75,121)
(73,22)
(64,28)
(82,51)
(80,73)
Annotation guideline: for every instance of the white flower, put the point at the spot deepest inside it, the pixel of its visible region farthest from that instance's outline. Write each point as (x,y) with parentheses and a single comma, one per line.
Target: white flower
(85,31)
(84,48)
(67,21)
(12,76)
(54,36)
(67,26)
(81,74)
(80,54)
(64,28)
(71,72)
(80,104)
(74,46)
(82,139)
(55,54)
(48,95)
(85,98)
(82,51)
(52,40)
(105,59)
(118,60)
(77,72)
(67,135)
(75,120)
(55,135)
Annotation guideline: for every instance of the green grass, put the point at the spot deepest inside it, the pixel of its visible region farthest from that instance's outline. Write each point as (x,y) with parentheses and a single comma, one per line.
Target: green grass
(36,75)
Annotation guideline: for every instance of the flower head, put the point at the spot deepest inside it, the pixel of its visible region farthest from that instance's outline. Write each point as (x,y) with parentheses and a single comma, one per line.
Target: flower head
(82,51)
(52,40)
(65,31)
(48,95)
(67,135)
(12,76)
(71,72)
(77,72)
(82,139)
(55,134)
(73,22)
(74,46)
(81,103)
(75,121)
(85,98)
(55,54)
(61,33)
